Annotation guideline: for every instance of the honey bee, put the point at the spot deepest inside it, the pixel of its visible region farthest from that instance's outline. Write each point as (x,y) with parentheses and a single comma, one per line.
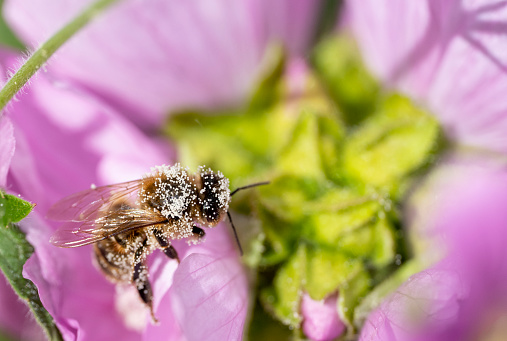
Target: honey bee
(129,220)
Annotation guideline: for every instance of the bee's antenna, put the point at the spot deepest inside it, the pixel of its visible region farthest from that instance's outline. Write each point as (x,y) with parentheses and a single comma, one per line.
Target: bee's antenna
(235,234)
(248,186)
(229,215)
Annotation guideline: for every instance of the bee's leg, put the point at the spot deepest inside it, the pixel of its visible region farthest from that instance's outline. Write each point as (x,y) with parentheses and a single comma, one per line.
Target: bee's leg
(170,252)
(115,268)
(197,235)
(198,232)
(168,249)
(140,280)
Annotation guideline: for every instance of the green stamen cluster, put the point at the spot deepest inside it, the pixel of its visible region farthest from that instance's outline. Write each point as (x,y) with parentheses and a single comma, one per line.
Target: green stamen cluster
(341,158)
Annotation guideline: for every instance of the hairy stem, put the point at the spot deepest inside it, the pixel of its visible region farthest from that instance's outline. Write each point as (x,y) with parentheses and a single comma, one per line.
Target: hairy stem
(46,50)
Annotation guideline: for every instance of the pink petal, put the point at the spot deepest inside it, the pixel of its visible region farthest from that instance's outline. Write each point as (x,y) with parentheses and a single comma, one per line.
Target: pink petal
(7,146)
(424,305)
(57,154)
(60,153)
(7,142)
(161,273)
(216,245)
(450,55)
(320,318)
(73,291)
(472,219)
(155,56)
(15,317)
(466,196)
(209,296)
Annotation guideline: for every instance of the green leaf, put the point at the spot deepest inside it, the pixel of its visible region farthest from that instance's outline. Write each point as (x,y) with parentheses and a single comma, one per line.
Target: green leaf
(373,241)
(328,15)
(342,213)
(301,156)
(284,297)
(219,141)
(331,136)
(327,270)
(269,89)
(286,136)
(242,140)
(263,326)
(351,295)
(391,145)
(13,209)
(284,216)
(14,251)
(280,237)
(312,151)
(320,272)
(237,145)
(342,231)
(338,65)
(297,193)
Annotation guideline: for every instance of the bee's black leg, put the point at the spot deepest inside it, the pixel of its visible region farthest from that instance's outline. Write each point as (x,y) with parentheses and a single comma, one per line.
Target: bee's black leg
(168,249)
(198,232)
(140,280)
(170,252)
(197,235)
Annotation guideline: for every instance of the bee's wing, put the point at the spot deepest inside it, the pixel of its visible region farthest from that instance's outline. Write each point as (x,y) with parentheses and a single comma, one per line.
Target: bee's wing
(74,237)
(82,205)
(73,234)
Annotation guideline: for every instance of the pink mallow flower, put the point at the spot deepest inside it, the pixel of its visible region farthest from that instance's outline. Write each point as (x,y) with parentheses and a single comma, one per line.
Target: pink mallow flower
(450,57)
(78,125)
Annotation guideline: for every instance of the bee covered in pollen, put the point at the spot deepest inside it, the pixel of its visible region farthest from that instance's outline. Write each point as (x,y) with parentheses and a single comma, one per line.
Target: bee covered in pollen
(129,220)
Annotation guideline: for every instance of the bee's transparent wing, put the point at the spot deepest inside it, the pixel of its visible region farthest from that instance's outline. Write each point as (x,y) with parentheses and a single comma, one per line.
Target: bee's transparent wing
(75,237)
(82,206)
(73,234)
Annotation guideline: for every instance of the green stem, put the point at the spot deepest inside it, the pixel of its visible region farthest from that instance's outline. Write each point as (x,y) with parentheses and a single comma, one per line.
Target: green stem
(41,56)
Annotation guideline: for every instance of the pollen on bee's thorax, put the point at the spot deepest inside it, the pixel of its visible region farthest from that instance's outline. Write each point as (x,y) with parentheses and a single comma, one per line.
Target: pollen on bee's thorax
(169,190)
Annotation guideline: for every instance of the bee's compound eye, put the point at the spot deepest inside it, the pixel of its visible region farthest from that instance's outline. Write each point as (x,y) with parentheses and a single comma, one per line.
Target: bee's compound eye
(214,196)
(210,210)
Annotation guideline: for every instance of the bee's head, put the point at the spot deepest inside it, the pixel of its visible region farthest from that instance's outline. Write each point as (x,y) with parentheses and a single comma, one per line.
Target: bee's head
(214,196)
